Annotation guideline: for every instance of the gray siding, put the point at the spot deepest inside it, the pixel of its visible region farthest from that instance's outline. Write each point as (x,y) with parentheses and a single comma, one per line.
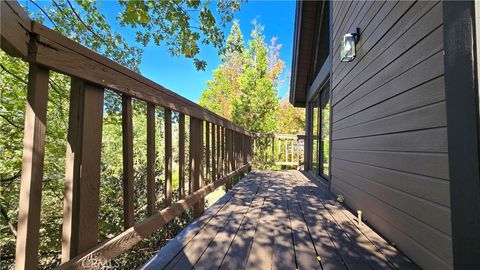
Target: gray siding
(389,136)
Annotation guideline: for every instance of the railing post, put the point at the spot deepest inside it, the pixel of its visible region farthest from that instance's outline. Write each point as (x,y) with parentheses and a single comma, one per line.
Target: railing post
(26,256)
(196,146)
(127,140)
(82,169)
(151,156)
(168,157)
(181,155)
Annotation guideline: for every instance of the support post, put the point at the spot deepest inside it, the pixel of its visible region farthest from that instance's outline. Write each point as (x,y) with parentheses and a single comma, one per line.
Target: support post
(82,169)
(26,256)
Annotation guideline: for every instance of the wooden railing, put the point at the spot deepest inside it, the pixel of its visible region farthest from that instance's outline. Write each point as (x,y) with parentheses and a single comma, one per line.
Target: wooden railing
(218,150)
(278,149)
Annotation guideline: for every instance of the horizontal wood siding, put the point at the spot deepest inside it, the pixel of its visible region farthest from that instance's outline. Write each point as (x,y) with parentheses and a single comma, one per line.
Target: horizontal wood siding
(389,135)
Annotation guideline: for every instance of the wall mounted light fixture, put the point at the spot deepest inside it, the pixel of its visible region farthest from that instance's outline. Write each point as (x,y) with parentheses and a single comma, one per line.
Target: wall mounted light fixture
(348,49)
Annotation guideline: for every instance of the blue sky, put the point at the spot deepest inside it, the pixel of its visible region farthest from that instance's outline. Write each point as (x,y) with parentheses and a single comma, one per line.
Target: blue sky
(180,75)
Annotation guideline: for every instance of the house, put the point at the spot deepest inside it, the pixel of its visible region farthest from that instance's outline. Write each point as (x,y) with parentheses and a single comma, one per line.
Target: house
(395,130)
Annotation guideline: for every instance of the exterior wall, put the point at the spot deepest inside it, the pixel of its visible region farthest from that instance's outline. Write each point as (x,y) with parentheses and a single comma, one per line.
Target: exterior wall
(389,136)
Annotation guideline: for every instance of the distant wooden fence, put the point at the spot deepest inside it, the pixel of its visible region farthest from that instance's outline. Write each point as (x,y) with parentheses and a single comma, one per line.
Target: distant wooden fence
(219,150)
(278,149)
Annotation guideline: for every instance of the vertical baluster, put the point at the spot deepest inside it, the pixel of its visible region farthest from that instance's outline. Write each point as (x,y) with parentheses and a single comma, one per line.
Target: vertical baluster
(265,149)
(229,155)
(245,149)
(32,169)
(219,164)
(151,155)
(196,143)
(273,149)
(168,157)
(232,151)
(224,160)
(291,149)
(127,135)
(207,152)
(181,154)
(191,134)
(214,165)
(254,149)
(82,169)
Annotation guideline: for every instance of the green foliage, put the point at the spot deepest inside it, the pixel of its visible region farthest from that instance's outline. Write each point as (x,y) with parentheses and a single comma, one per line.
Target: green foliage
(244,86)
(257,105)
(179,25)
(291,120)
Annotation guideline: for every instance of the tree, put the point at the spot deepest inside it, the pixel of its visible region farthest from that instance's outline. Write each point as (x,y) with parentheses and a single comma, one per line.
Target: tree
(291,120)
(243,88)
(224,87)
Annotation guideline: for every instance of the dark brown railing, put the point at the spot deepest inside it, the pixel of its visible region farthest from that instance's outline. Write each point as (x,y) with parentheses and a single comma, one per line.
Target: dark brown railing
(218,150)
(278,149)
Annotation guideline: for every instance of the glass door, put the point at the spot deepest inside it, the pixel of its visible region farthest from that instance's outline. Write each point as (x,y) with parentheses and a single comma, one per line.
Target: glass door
(324,141)
(314,135)
(320,134)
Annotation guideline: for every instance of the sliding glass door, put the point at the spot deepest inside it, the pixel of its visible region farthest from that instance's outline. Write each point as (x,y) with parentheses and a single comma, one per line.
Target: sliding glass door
(314,113)
(324,116)
(319,136)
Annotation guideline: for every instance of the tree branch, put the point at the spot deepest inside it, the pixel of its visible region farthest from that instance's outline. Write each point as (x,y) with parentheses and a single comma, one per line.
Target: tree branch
(84,24)
(11,178)
(10,122)
(7,219)
(13,74)
(46,14)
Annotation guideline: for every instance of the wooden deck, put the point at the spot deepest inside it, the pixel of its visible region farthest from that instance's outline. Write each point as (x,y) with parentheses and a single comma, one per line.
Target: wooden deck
(278,220)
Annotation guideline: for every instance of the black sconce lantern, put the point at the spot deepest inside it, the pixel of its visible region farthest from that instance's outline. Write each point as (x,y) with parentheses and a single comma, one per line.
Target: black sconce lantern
(348,49)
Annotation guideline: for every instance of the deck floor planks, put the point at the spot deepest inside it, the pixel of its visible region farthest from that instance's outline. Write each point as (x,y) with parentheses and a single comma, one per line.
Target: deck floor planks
(365,236)
(283,252)
(306,256)
(261,252)
(363,245)
(347,249)
(195,248)
(216,250)
(325,247)
(278,220)
(163,258)
(237,254)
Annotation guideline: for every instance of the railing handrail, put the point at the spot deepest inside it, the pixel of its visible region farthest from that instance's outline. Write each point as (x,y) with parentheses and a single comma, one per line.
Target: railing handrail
(37,43)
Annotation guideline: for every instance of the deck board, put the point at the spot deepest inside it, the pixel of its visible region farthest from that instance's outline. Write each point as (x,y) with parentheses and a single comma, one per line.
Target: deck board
(278,220)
